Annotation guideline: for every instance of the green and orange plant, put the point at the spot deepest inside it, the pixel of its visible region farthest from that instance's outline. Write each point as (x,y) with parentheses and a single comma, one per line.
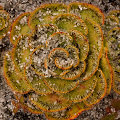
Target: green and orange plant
(62,63)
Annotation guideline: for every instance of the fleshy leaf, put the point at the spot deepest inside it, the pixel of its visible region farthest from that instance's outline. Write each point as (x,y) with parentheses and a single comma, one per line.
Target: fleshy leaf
(4,16)
(66,22)
(61,85)
(51,102)
(59,39)
(99,91)
(35,81)
(21,53)
(15,80)
(37,59)
(68,114)
(116,81)
(87,11)
(115,13)
(19,27)
(111,21)
(52,64)
(80,41)
(73,54)
(106,69)
(74,72)
(41,34)
(44,14)
(26,104)
(82,91)
(95,38)
(59,57)
(63,63)
(2,23)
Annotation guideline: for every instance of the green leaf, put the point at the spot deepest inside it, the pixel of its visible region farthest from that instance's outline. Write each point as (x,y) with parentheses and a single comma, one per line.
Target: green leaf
(35,81)
(51,102)
(26,104)
(59,39)
(72,112)
(80,42)
(106,69)
(66,22)
(40,35)
(116,81)
(37,60)
(61,85)
(44,14)
(115,13)
(99,91)
(4,16)
(15,80)
(87,11)
(74,72)
(2,23)
(82,91)
(19,27)
(21,53)
(95,38)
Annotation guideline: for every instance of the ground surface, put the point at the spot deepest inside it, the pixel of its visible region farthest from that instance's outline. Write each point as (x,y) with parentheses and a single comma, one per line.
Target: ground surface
(15,8)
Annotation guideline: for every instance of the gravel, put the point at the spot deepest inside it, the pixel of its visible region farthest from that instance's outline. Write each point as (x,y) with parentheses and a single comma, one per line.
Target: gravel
(15,8)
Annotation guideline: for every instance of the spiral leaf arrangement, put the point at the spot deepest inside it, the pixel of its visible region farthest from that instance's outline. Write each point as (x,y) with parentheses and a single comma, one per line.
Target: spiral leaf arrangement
(59,63)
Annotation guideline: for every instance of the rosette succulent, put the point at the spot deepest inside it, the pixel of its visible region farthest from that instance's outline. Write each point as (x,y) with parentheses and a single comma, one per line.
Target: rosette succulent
(59,63)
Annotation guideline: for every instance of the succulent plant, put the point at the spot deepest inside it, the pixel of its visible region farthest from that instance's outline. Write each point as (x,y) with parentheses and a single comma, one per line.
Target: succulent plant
(62,63)
(4,22)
